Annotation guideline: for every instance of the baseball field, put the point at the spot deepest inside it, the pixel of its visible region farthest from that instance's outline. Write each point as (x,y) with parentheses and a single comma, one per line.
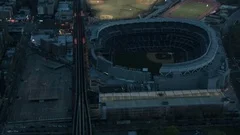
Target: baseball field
(192,9)
(152,60)
(120,9)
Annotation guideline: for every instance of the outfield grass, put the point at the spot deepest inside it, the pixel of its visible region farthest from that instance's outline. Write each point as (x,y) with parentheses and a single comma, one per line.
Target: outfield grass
(119,9)
(192,10)
(136,60)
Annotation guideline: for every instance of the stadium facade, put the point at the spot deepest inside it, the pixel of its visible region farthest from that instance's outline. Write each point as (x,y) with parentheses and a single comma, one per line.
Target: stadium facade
(204,67)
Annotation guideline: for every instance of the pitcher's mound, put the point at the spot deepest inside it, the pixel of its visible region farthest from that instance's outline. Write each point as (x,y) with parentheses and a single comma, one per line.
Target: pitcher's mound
(106,17)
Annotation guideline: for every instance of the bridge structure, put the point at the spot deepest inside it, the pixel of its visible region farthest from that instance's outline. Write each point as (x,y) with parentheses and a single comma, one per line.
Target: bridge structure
(81,116)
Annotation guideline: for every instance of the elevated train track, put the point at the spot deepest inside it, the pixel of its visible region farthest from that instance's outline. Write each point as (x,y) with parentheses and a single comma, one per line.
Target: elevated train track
(81,117)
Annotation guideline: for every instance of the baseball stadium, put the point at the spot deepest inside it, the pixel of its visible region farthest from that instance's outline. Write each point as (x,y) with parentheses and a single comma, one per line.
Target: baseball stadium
(189,56)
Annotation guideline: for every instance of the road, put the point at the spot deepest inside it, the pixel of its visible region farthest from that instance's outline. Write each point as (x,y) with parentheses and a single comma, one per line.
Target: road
(234,17)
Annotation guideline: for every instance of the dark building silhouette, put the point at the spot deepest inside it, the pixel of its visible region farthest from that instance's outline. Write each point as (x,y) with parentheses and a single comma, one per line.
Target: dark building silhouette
(2,83)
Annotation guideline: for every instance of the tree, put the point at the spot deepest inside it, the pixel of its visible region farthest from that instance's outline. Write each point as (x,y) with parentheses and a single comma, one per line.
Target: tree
(171,130)
(216,132)
(9,39)
(154,131)
(235,32)
(230,2)
(233,41)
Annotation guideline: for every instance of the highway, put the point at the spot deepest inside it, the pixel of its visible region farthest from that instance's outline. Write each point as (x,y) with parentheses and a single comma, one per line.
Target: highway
(81,118)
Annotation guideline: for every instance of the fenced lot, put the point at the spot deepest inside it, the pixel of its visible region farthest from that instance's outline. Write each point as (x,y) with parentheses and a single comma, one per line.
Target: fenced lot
(121,9)
(192,9)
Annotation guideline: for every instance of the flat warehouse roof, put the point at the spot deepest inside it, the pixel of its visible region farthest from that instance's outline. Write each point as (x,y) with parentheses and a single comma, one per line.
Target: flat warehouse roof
(164,102)
(105,97)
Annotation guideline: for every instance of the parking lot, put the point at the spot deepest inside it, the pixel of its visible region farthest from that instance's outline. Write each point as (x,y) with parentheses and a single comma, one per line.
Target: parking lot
(43,92)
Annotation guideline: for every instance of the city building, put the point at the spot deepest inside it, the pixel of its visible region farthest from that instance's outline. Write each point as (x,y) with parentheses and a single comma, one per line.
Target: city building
(6,12)
(64,11)
(160,104)
(47,7)
(60,46)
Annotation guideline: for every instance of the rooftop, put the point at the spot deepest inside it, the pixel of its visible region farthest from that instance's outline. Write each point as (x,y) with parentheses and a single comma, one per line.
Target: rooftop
(63,39)
(57,40)
(105,97)
(5,8)
(47,24)
(161,98)
(43,92)
(41,2)
(64,6)
(37,38)
(164,102)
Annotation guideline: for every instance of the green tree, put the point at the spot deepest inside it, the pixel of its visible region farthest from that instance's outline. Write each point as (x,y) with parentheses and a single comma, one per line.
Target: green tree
(235,32)
(154,131)
(9,39)
(171,130)
(230,2)
(232,43)
(216,132)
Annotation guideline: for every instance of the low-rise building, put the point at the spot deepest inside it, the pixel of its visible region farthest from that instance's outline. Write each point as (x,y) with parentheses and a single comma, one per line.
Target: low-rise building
(59,46)
(159,104)
(64,11)
(24,11)
(6,12)
(46,24)
(11,3)
(47,7)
